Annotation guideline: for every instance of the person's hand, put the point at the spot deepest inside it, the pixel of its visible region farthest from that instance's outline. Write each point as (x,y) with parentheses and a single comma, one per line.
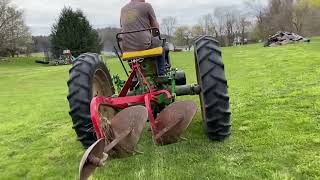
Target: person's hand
(155,32)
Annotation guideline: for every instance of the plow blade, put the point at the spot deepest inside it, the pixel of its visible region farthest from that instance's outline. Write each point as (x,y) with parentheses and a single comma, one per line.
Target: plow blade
(127,127)
(92,158)
(173,121)
(133,118)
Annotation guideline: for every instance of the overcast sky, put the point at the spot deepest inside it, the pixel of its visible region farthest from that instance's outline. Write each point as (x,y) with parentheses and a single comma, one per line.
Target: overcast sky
(40,15)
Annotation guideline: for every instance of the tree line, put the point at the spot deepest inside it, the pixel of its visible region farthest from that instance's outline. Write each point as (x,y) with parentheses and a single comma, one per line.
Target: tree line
(298,16)
(254,21)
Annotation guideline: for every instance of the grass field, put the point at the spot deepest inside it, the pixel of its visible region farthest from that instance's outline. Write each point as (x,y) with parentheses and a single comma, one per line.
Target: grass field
(275,96)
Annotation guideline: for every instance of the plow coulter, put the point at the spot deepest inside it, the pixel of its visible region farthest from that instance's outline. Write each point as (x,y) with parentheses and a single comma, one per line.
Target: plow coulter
(109,125)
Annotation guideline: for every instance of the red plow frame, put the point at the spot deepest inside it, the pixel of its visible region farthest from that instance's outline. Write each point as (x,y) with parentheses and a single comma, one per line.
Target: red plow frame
(123,101)
(128,124)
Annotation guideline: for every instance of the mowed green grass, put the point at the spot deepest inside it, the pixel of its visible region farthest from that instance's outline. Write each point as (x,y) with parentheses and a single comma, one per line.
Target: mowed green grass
(275,97)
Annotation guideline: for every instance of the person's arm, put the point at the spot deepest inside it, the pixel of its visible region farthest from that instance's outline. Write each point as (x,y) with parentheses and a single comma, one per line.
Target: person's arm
(155,24)
(152,17)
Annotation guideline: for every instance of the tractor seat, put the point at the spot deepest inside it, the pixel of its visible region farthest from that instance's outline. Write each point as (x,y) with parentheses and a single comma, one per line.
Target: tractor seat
(142,54)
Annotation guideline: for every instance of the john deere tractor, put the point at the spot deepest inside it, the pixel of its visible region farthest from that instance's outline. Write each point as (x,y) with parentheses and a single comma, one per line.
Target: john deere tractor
(109,124)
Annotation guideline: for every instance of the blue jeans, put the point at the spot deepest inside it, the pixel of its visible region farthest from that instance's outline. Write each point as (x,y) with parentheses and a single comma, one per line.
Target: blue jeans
(161,65)
(161,59)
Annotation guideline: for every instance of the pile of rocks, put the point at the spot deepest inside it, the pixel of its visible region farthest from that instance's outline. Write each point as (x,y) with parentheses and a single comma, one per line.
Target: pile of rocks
(282,38)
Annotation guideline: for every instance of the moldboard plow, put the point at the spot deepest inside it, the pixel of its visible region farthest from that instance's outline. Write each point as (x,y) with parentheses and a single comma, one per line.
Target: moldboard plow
(109,125)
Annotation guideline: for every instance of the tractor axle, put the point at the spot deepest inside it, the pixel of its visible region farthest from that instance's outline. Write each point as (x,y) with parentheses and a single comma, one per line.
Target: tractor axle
(188,90)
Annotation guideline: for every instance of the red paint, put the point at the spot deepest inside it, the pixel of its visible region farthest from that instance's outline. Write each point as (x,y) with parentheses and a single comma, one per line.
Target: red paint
(124,101)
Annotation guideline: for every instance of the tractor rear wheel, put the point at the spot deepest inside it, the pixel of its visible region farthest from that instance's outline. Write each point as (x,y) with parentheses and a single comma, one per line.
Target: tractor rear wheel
(214,89)
(89,77)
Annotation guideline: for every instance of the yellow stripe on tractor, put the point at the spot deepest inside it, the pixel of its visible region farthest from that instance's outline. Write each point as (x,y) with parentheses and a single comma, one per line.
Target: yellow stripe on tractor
(142,54)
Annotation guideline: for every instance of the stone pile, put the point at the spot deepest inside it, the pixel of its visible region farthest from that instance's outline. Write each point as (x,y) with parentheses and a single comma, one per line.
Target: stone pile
(282,38)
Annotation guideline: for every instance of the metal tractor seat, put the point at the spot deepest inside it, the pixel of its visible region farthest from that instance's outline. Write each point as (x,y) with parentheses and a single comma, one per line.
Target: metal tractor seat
(126,56)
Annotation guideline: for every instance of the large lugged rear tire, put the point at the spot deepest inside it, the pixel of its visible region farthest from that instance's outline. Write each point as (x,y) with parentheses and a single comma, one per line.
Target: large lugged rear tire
(214,89)
(89,77)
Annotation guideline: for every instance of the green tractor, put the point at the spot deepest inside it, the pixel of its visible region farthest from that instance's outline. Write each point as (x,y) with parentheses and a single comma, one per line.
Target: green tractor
(110,125)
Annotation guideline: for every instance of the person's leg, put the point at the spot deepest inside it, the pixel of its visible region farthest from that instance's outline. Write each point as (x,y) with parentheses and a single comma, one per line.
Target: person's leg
(167,57)
(161,60)
(161,65)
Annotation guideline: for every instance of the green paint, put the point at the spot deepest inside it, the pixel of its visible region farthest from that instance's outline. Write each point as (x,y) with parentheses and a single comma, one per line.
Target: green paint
(118,82)
(173,84)
(162,99)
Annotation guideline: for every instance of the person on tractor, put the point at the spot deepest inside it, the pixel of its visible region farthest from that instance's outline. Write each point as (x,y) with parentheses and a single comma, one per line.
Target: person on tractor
(139,15)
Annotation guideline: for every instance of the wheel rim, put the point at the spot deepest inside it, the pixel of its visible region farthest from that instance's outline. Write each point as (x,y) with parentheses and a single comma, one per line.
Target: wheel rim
(101,86)
(201,94)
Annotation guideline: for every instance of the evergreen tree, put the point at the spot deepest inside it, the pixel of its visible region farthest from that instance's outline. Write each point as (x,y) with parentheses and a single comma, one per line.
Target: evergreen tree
(74,32)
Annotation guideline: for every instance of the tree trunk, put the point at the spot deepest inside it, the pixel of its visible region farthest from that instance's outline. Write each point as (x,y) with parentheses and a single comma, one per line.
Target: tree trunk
(242,35)
(11,52)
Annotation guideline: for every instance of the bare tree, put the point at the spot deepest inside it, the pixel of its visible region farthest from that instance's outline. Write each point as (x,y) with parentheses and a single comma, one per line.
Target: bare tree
(231,23)
(168,26)
(19,37)
(197,30)
(41,43)
(243,27)
(108,37)
(183,36)
(312,21)
(300,11)
(208,24)
(14,34)
(219,17)
(286,15)
(300,16)
(315,3)
(257,9)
